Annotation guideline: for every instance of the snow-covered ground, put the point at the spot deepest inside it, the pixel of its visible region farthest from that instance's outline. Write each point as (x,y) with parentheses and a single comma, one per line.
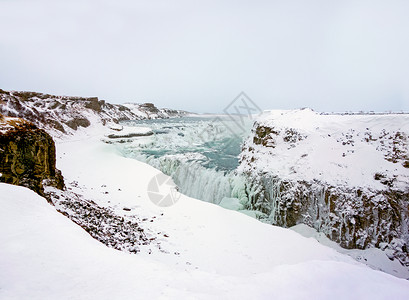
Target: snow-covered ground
(373,257)
(208,252)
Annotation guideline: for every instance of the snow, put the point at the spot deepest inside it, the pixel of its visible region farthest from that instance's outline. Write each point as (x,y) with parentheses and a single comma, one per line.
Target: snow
(114,126)
(336,149)
(211,252)
(5,124)
(231,203)
(373,257)
(129,132)
(146,112)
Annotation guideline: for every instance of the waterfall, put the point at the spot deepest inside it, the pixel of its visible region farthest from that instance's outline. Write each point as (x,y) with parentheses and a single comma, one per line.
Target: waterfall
(200,154)
(198,182)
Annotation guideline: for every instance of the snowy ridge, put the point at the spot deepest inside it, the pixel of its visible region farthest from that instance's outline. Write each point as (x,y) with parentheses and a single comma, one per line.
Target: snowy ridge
(62,114)
(149,111)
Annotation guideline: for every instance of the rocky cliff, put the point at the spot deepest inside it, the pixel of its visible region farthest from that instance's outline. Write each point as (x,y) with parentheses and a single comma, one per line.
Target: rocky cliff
(345,176)
(62,114)
(27,156)
(150,111)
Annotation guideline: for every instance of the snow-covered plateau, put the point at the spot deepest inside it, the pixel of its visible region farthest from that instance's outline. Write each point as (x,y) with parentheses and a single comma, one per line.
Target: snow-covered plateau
(102,237)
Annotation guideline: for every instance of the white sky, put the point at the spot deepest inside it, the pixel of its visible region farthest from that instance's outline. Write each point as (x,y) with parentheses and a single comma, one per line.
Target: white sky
(329,55)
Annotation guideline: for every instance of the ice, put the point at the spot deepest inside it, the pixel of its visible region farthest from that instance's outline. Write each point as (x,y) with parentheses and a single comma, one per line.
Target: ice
(194,180)
(200,155)
(128,132)
(231,203)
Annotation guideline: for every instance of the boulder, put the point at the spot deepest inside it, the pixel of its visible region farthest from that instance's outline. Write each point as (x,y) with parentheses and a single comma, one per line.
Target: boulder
(27,156)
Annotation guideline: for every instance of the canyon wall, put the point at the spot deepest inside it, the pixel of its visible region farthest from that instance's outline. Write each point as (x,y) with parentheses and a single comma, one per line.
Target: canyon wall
(345,176)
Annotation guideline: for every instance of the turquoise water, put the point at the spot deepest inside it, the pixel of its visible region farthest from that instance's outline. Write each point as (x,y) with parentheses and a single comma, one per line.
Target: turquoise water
(220,147)
(199,153)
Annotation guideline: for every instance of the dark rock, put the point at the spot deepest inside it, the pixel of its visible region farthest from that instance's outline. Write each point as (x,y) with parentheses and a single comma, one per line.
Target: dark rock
(118,232)
(28,157)
(292,136)
(55,105)
(150,107)
(94,104)
(26,96)
(354,218)
(55,124)
(265,136)
(128,135)
(379,176)
(123,108)
(78,122)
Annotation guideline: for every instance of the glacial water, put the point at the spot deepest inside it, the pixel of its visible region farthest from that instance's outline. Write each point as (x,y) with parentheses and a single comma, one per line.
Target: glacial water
(199,153)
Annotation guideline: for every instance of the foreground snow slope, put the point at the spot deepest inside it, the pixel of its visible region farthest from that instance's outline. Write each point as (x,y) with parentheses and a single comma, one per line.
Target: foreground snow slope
(211,252)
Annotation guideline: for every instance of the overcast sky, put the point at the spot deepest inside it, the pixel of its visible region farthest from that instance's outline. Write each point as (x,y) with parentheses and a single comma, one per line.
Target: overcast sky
(198,55)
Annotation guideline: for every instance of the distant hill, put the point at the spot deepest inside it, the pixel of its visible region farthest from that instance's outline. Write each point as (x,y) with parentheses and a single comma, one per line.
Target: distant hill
(66,114)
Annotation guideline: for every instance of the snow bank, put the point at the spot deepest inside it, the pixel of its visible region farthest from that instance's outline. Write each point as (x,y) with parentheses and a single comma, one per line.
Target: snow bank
(128,132)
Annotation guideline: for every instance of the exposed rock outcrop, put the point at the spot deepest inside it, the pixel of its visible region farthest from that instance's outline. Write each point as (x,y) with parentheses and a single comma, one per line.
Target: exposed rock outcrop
(125,233)
(27,156)
(62,114)
(150,111)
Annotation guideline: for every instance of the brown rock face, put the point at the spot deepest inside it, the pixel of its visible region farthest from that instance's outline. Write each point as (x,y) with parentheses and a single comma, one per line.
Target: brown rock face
(27,156)
(265,136)
(78,122)
(150,107)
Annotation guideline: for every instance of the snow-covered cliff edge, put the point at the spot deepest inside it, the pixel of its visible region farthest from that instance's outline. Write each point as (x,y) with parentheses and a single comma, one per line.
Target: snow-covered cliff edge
(344,175)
